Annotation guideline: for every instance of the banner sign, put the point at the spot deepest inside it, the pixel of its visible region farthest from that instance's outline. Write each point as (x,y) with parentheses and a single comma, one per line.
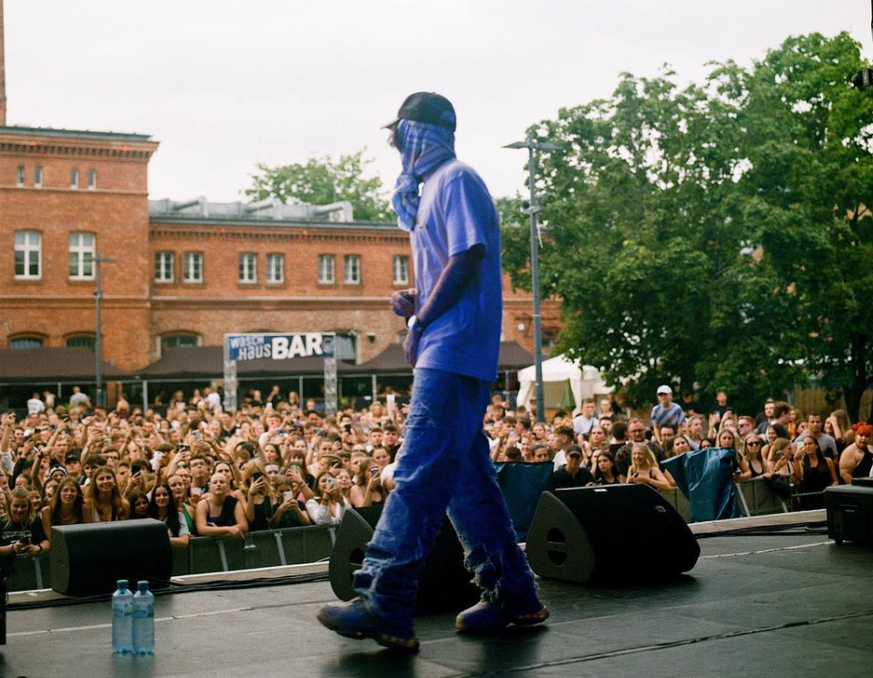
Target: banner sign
(241,347)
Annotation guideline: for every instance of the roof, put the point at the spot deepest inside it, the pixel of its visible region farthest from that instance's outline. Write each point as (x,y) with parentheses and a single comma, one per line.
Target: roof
(74,134)
(208,362)
(268,212)
(393,359)
(52,364)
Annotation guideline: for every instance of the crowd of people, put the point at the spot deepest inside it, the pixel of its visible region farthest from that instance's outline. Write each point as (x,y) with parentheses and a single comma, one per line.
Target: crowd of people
(798,456)
(281,463)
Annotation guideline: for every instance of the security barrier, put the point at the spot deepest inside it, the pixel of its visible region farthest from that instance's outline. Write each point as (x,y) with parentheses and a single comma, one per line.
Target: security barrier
(757,498)
(297,545)
(268,548)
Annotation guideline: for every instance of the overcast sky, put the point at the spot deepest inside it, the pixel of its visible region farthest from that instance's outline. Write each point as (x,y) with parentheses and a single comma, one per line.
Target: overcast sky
(226,84)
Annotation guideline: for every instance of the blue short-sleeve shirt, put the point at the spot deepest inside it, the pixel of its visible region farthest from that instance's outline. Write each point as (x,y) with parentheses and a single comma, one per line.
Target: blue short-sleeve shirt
(456,212)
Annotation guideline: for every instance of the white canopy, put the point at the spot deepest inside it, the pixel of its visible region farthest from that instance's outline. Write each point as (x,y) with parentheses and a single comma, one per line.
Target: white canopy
(585,381)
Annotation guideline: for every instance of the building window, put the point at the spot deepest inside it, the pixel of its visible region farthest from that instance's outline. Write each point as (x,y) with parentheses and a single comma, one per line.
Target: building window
(248,273)
(275,268)
(19,176)
(347,347)
(163,267)
(352,269)
(401,270)
(25,342)
(326,269)
(82,256)
(74,178)
(37,177)
(28,255)
(81,341)
(193,267)
(92,179)
(170,341)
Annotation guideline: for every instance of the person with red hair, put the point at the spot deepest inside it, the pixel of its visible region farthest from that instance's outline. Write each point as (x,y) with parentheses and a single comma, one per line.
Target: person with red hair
(856,461)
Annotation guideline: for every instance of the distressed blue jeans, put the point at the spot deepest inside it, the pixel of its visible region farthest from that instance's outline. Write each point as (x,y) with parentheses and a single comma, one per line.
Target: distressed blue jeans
(444,465)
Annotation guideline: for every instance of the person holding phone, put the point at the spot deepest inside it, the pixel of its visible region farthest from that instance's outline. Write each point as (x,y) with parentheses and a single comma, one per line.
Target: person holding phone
(454,319)
(259,498)
(368,488)
(288,512)
(21,531)
(328,505)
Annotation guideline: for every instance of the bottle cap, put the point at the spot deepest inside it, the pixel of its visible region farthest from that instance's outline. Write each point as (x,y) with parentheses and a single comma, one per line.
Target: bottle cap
(122,583)
(143,585)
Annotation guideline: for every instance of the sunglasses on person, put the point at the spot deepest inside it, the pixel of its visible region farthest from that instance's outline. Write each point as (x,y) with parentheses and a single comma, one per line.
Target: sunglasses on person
(753,443)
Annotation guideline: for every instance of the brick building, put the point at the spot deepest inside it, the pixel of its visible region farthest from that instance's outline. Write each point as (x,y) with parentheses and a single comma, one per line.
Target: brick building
(185,273)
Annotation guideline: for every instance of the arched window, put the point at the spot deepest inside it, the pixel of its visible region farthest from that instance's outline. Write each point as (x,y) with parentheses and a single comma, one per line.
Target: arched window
(26,342)
(81,341)
(177,340)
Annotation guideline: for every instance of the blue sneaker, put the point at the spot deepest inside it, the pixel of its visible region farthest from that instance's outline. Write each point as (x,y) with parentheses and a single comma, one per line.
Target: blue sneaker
(488,617)
(354,620)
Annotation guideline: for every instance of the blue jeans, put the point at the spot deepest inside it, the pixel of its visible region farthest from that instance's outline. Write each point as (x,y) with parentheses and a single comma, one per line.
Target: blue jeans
(444,465)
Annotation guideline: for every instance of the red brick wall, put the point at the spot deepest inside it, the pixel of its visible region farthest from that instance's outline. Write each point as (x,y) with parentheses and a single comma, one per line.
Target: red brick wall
(138,311)
(55,306)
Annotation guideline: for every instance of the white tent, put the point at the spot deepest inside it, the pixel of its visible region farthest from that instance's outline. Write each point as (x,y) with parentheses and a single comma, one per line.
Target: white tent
(585,382)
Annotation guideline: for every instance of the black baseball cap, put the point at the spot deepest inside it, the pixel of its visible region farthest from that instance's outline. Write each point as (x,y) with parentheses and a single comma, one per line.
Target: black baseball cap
(427,107)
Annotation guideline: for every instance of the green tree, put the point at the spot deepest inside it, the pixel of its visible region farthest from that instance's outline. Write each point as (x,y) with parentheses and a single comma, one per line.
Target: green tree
(807,136)
(321,181)
(716,234)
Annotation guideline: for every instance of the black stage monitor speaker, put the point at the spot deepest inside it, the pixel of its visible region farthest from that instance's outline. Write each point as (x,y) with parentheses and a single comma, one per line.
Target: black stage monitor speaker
(850,513)
(89,559)
(621,533)
(444,584)
(862,482)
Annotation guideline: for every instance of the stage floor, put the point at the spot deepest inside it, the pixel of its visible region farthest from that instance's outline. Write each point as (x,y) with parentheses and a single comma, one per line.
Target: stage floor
(765,606)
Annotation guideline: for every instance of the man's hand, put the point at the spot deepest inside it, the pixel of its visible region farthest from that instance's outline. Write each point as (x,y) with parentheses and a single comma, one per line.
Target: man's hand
(403,302)
(411,346)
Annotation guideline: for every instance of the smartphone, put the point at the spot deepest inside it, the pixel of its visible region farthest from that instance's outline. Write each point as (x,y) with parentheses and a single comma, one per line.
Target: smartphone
(294,467)
(196,491)
(256,476)
(289,495)
(24,540)
(331,483)
(375,471)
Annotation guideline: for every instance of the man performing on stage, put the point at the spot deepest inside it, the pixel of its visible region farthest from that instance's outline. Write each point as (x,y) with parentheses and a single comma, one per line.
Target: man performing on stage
(455,314)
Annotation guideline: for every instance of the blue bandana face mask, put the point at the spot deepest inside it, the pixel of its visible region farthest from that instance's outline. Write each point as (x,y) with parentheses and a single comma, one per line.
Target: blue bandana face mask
(423,148)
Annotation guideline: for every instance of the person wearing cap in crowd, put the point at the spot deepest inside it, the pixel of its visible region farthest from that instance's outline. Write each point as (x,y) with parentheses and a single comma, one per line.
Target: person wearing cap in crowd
(666,412)
(57,472)
(454,321)
(73,464)
(573,473)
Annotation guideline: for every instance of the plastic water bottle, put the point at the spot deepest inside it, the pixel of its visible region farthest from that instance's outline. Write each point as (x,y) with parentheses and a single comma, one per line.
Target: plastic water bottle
(143,620)
(122,619)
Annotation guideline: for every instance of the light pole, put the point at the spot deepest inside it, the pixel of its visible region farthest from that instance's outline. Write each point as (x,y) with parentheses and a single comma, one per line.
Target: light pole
(532,210)
(98,296)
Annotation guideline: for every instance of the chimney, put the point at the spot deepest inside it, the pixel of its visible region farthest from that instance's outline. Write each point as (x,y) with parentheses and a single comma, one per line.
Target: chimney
(2,72)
